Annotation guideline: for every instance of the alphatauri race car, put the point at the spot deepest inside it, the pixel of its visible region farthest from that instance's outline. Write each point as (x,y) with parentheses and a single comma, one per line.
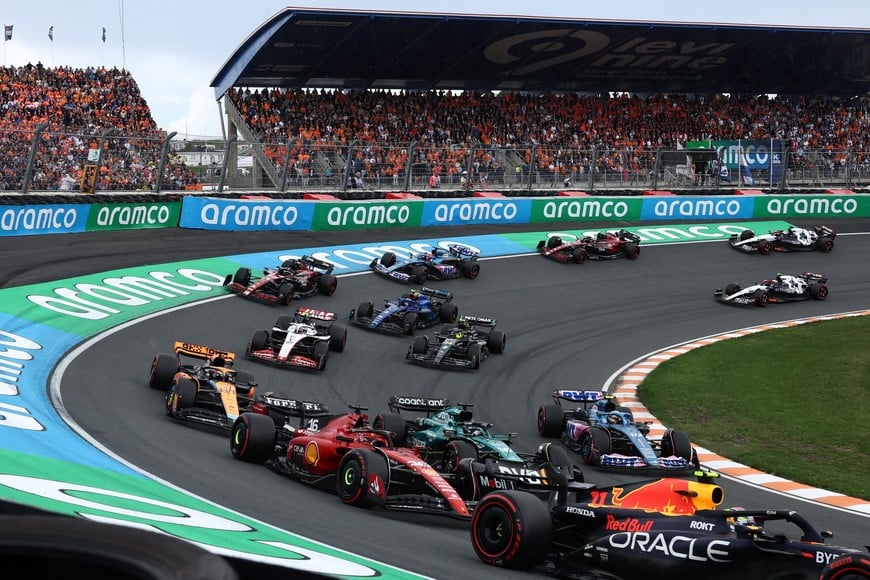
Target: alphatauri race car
(303,340)
(791,239)
(782,288)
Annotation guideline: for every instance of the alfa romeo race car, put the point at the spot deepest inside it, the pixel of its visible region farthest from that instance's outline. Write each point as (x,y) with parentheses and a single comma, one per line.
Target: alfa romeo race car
(208,391)
(606,435)
(406,314)
(783,288)
(293,280)
(791,239)
(303,340)
(656,530)
(602,246)
(438,264)
(462,346)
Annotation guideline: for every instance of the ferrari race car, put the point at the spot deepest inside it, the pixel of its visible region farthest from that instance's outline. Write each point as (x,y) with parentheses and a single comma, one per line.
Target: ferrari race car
(657,530)
(438,264)
(209,391)
(462,346)
(603,246)
(606,435)
(408,313)
(783,288)
(303,340)
(294,279)
(792,239)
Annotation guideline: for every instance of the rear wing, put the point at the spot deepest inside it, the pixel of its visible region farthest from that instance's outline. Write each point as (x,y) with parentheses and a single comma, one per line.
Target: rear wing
(312,313)
(629,236)
(292,407)
(461,251)
(813,277)
(327,267)
(202,352)
(479,321)
(417,404)
(577,396)
(435,293)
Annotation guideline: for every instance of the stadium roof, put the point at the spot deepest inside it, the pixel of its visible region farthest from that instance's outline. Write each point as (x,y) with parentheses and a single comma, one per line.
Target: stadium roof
(314,48)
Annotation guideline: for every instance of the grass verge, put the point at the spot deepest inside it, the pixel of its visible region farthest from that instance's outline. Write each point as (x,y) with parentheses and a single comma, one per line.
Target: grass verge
(792,402)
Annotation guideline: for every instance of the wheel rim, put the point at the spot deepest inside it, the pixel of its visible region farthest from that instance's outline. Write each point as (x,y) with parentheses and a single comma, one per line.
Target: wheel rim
(494,531)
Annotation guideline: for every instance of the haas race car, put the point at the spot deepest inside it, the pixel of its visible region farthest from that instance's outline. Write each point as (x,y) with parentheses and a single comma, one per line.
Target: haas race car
(602,246)
(408,313)
(303,340)
(791,239)
(782,288)
(437,264)
(293,280)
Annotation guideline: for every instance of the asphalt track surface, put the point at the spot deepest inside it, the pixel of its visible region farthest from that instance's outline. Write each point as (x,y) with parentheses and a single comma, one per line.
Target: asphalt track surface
(568,326)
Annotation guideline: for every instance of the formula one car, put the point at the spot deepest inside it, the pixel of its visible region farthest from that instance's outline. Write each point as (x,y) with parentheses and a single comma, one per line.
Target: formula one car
(438,264)
(406,314)
(603,246)
(303,340)
(656,530)
(462,346)
(783,288)
(606,435)
(792,239)
(293,280)
(209,391)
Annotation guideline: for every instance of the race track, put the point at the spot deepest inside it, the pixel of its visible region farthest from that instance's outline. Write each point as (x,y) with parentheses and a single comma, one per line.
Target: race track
(568,326)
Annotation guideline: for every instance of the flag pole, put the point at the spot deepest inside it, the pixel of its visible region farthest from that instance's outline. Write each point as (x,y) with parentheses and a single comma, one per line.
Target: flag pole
(123,45)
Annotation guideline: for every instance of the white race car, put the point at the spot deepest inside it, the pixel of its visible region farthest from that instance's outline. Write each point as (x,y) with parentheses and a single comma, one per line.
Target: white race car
(783,288)
(303,340)
(792,239)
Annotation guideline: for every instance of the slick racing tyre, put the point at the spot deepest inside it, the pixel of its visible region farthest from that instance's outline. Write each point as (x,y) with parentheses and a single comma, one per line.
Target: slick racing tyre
(851,567)
(826,245)
(327,284)
(409,323)
(765,247)
(181,395)
(594,443)
(163,369)
(496,341)
(677,443)
(470,269)
(253,437)
(455,451)
(554,242)
(818,291)
(388,259)
(363,477)
(419,274)
(631,251)
(395,425)
(421,345)
(732,288)
(449,313)
(761,297)
(285,293)
(242,276)
(365,310)
(337,338)
(579,256)
(746,234)
(473,355)
(259,340)
(551,420)
(511,529)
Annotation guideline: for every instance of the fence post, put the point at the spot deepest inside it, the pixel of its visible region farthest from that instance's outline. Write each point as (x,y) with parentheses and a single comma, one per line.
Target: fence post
(409,167)
(230,149)
(164,153)
(28,174)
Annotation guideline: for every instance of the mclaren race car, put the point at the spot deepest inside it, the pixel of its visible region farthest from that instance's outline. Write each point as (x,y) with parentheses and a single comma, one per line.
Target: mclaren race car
(783,288)
(404,315)
(602,246)
(462,346)
(438,264)
(791,239)
(201,384)
(293,280)
(303,340)
(606,435)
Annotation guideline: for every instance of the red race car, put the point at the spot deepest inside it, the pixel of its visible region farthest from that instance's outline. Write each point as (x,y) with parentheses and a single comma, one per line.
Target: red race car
(602,246)
(293,280)
(345,453)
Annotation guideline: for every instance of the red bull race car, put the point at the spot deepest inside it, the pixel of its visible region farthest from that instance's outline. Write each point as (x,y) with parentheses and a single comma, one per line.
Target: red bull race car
(602,246)
(303,340)
(293,280)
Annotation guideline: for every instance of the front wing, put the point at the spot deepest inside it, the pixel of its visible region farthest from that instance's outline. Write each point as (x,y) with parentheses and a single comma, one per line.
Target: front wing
(294,360)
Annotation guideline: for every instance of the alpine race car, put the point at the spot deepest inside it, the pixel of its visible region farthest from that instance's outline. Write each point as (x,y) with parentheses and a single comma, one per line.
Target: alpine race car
(438,264)
(792,239)
(462,346)
(656,530)
(303,340)
(293,280)
(208,391)
(602,246)
(408,313)
(783,288)
(606,435)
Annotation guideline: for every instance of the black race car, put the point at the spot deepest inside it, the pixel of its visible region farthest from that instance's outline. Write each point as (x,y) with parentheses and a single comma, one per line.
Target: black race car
(462,346)
(293,280)
(602,246)
(791,239)
(657,530)
(783,288)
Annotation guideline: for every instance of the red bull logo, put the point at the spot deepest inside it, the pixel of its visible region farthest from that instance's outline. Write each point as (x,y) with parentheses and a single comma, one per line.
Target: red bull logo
(666,496)
(627,524)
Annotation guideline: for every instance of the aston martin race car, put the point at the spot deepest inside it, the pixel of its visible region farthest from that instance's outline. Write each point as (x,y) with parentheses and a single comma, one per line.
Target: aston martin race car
(791,239)
(404,315)
(438,264)
(606,435)
(656,530)
(783,288)
(293,280)
(303,340)
(602,246)
(462,346)
(201,384)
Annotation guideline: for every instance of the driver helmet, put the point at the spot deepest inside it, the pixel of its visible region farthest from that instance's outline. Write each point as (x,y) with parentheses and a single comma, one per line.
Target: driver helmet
(779,278)
(614,419)
(601,236)
(462,324)
(457,333)
(413,294)
(217,361)
(740,522)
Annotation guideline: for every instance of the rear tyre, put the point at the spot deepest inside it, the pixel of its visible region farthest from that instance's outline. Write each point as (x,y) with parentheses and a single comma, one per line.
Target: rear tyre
(850,567)
(455,451)
(409,322)
(388,259)
(285,293)
(327,284)
(244,381)
(765,247)
(470,269)
(826,246)
(242,276)
(579,256)
(551,420)
(553,242)
(419,274)
(511,529)
(449,313)
(677,443)
(496,341)
(761,297)
(421,345)
(818,291)
(395,424)
(337,338)
(283,322)
(259,340)
(365,310)
(253,438)
(163,369)
(362,479)
(631,251)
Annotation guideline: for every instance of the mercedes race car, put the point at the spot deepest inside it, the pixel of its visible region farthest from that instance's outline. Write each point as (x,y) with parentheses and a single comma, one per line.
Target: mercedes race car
(657,530)
(293,280)
(602,246)
(201,384)
(303,340)
(404,315)
(606,435)
(783,288)
(462,346)
(438,264)
(792,239)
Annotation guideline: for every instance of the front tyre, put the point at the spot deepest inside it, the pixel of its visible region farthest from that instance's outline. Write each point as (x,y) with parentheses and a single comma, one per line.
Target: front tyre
(455,451)
(362,478)
(511,529)
(551,420)
(676,443)
(163,369)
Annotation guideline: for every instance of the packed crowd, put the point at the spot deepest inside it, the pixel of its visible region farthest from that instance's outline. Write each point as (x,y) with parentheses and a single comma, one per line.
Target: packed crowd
(77,107)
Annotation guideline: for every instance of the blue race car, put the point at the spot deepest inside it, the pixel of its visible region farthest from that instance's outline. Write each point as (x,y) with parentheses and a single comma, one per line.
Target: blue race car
(606,435)
(438,264)
(416,309)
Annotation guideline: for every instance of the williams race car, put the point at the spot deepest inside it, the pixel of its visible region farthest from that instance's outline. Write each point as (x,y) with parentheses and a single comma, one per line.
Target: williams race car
(462,346)
(792,239)
(206,389)
(656,530)
(783,288)
(303,340)
(293,280)
(606,435)
(408,313)
(602,246)
(438,264)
